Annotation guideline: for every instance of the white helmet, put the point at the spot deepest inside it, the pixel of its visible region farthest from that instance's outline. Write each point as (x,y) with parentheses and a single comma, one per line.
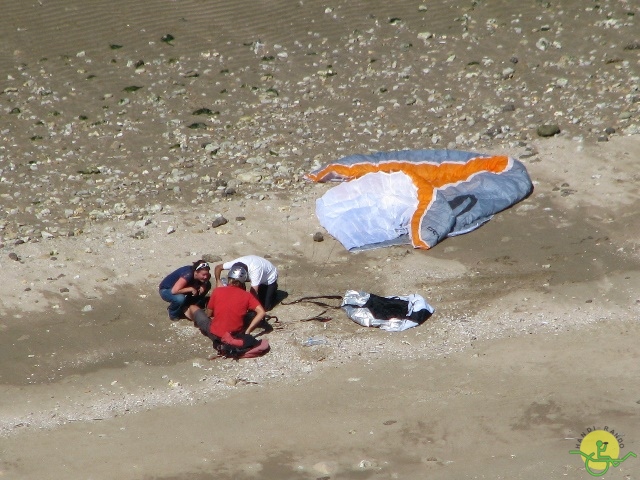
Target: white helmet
(238,272)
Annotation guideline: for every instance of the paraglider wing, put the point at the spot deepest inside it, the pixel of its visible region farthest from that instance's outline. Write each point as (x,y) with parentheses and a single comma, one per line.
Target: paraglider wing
(372,209)
(416,196)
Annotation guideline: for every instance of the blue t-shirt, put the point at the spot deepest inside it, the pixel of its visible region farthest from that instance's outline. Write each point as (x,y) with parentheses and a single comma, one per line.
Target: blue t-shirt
(170,280)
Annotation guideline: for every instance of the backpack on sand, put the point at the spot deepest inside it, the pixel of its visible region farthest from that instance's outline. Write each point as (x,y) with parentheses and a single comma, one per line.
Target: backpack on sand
(231,351)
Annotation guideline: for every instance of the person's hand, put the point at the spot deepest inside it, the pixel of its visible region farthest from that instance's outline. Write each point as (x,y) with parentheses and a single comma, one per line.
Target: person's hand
(194,291)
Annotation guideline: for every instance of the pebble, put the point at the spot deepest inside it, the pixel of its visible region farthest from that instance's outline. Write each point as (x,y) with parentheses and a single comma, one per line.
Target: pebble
(548,130)
(218,222)
(326,467)
(211,258)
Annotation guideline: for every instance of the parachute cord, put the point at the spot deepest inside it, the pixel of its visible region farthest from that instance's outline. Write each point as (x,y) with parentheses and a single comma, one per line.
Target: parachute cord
(313,298)
(318,317)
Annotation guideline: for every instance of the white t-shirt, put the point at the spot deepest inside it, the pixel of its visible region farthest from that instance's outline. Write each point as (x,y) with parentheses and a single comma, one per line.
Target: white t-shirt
(261,270)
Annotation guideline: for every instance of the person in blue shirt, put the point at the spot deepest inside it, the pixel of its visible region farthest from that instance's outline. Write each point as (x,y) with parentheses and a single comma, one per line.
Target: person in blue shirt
(184,287)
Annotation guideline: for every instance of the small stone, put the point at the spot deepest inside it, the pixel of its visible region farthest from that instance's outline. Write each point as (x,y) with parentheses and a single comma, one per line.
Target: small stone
(87,308)
(609,130)
(240,219)
(211,258)
(170,230)
(542,44)
(14,256)
(318,237)
(507,73)
(529,154)
(326,467)
(548,130)
(249,177)
(168,38)
(218,222)
(142,223)
(364,464)
(603,138)
(64,290)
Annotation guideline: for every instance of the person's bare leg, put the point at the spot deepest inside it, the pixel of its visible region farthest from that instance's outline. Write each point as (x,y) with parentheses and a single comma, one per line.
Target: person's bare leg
(191,312)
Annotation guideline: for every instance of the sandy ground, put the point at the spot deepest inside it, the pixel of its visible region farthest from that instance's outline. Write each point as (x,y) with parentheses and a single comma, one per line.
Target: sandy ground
(535,334)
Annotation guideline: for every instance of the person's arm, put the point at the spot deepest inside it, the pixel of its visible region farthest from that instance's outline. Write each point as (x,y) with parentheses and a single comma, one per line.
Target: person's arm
(204,288)
(209,308)
(254,282)
(181,287)
(217,271)
(260,313)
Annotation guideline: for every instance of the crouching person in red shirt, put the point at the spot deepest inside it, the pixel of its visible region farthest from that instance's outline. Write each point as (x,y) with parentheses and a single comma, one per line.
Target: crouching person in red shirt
(228,306)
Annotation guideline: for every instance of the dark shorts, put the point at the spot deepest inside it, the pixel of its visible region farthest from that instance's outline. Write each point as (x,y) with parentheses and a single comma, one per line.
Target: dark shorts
(267,295)
(203,322)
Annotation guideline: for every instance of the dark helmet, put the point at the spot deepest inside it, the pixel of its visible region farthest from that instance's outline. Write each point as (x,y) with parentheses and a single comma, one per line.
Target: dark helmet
(238,272)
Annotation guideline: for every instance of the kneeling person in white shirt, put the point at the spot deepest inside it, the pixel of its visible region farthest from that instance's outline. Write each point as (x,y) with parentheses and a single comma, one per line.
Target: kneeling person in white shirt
(263,276)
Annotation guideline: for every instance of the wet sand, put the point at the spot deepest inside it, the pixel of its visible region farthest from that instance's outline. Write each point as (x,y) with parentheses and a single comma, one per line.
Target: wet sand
(105,188)
(504,408)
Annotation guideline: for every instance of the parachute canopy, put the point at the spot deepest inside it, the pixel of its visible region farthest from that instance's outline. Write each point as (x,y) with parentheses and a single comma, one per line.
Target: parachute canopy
(416,197)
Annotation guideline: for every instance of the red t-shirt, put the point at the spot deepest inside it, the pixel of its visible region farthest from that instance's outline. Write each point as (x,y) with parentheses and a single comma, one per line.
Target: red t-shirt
(228,306)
